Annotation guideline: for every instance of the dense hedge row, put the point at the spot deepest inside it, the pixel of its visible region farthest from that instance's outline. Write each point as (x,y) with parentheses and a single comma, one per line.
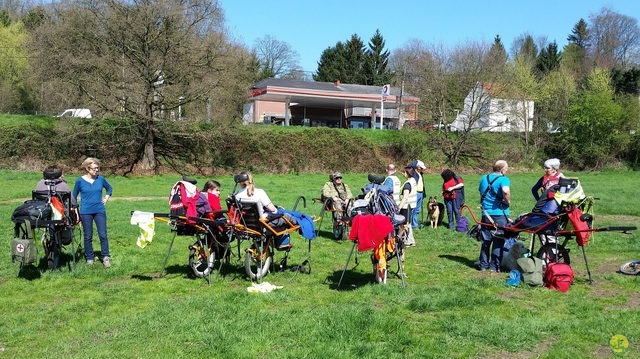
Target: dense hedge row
(203,148)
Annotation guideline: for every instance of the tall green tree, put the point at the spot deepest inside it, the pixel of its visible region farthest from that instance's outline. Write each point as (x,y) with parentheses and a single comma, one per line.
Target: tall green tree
(354,56)
(575,53)
(497,53)
(375,67)
(589,137)
(579,34)
(548,60)
(15,95)
(525,48)
(331,66)
(350,62)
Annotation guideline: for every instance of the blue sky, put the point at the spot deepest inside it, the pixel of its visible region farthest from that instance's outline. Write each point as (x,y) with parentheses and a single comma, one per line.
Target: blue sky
(311,26)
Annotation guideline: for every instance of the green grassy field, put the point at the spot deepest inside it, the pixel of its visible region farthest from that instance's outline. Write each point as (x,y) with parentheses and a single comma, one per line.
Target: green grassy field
(447,309)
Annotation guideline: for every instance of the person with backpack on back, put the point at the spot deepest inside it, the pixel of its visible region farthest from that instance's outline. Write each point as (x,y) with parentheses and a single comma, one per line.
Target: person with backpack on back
(495,200)
(452,188)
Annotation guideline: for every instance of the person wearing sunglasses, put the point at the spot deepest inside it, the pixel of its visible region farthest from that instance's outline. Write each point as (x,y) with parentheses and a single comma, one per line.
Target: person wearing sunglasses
(551,177)
(339,193)
(92,209)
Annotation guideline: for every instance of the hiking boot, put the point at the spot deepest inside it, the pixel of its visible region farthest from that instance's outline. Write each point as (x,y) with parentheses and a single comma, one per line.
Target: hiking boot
(106,261)
(89,262)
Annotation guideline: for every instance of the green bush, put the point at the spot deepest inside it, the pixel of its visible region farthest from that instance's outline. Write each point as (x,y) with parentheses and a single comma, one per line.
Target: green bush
(197,147)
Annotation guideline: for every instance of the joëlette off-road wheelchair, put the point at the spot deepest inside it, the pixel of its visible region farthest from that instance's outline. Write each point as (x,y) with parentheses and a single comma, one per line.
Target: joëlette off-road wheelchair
(377,226)
(563,212)
(50,211)
(211,240)
(340,218)
(266,233)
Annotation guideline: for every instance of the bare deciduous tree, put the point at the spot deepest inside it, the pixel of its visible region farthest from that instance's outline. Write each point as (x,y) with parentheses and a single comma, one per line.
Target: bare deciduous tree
(277,58)
(456,87)
(614,38)
(140,59)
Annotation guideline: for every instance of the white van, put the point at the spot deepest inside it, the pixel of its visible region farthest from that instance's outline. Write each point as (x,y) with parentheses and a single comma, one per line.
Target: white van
(76,112)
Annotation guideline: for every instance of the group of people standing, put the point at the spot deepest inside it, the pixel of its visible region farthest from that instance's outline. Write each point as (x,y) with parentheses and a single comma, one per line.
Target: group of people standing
(408,193)
(495,201)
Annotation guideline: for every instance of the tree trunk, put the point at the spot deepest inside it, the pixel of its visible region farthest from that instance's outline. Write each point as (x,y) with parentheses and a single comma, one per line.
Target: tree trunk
(148,160)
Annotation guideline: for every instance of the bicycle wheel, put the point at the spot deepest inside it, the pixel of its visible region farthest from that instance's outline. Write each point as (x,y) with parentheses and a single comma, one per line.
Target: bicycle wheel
(200,263)
(550,253)
(630,268)
(257,263)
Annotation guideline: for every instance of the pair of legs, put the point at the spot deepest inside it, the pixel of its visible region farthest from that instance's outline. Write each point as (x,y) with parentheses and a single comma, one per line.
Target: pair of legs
(100,220)
(339,206)
(408,214)
(491,248)
(453,210)
(416,211)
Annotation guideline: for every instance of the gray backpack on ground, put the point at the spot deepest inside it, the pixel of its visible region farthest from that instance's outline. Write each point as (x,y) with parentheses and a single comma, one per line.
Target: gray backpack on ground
(531,268)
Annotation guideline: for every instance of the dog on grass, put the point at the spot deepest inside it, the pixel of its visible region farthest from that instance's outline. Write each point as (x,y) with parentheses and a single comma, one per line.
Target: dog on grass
(509,259)
(434,211)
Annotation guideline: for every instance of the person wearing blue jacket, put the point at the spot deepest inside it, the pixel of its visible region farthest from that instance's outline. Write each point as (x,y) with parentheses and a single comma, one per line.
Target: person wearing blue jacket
(92,209)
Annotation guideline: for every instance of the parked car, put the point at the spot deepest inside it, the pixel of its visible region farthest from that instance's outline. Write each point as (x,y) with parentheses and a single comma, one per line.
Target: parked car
(76,112)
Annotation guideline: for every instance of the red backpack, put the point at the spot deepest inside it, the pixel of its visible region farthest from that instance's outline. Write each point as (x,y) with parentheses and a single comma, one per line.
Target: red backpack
(558,276)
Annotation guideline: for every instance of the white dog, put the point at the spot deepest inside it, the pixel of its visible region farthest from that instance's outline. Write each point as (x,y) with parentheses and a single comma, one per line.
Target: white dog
(518,250)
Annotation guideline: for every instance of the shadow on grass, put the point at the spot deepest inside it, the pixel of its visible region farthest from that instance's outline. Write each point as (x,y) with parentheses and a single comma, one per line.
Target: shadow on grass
(466,261)
(351,280)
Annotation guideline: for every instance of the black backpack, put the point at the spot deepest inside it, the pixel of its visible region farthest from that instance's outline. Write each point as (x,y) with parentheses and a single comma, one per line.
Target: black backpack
(176,205)
(32,211)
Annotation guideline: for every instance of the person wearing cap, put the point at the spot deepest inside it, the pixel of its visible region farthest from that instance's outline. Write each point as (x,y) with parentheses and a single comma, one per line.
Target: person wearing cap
(339,193)
(418,166)
(392,181)
(551,177)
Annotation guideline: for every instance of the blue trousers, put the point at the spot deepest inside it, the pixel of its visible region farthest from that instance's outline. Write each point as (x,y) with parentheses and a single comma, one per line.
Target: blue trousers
(100,220)
(491,248)
(453,210)
(416,211)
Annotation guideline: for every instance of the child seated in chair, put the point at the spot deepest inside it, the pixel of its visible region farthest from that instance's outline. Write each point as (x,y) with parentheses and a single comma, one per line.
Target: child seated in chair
(212,190)
(248,190)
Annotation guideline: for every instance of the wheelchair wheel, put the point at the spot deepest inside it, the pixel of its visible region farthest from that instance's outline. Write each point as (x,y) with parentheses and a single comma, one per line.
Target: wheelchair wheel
(550,253)
(256,264)
(51,250)
(630,268)
(340,232)
(200,263)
